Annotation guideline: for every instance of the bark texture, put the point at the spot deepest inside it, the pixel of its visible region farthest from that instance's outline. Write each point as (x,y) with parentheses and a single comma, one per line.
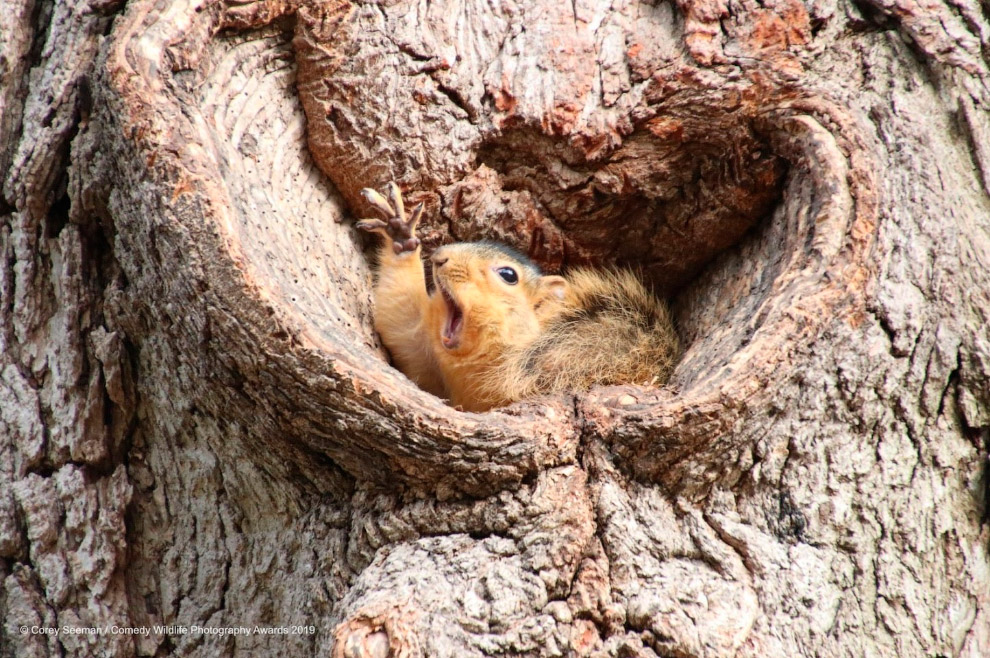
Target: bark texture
(198,426)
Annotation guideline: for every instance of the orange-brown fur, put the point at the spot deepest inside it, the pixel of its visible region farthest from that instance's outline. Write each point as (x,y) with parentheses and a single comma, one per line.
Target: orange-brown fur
(542,334)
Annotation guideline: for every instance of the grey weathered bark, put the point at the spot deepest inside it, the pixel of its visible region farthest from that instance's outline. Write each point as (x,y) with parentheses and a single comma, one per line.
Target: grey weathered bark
(198,426)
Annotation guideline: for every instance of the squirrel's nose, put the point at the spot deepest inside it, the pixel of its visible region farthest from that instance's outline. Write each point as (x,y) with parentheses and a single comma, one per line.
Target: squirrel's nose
(439,258)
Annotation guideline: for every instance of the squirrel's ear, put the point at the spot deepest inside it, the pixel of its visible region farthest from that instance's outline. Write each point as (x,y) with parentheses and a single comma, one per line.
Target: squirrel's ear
(552,287)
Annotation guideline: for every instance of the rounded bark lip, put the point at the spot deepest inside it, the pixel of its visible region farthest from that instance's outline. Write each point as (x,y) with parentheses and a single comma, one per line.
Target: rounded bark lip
(822,277)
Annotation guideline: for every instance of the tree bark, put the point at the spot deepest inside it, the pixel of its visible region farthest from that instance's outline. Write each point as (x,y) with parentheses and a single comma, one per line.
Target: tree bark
(199,428)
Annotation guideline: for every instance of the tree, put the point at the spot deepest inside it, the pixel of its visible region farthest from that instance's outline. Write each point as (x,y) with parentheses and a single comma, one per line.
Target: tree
(200,429)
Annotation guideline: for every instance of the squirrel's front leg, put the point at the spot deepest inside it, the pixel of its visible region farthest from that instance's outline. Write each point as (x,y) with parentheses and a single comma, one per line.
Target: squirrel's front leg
(401,300)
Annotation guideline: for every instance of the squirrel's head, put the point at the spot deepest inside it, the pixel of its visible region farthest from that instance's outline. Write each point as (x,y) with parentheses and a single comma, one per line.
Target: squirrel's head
(488,296)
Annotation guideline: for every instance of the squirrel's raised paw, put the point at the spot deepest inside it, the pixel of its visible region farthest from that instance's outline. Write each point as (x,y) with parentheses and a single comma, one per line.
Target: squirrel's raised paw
(397,228)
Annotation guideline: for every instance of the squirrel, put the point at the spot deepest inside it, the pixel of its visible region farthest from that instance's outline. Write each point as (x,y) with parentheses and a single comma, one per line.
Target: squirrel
(496,329)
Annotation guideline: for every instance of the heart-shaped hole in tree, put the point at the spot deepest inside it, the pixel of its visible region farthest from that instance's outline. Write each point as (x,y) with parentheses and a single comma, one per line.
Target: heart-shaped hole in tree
(251,233)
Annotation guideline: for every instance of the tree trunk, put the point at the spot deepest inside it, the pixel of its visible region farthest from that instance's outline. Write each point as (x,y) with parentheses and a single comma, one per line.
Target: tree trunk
(200,430)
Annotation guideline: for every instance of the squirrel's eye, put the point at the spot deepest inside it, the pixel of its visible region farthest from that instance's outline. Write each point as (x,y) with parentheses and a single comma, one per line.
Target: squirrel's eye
(508,275)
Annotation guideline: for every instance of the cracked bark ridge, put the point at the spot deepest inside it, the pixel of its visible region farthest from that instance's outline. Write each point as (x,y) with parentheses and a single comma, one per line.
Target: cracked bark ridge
(198,426)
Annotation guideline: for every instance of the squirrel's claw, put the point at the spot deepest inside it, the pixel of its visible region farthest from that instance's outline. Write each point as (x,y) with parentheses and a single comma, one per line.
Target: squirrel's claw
(417,212)
(372,226)
(395,196)
(378,201)
(397,227)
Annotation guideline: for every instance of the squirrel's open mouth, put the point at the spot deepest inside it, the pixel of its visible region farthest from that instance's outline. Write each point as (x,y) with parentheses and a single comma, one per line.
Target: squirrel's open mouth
(451,335)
